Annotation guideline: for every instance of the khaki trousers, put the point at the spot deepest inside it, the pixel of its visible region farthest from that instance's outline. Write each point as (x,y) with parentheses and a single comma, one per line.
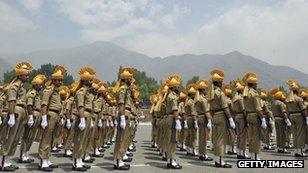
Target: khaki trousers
(219,133)
(68,140)
(170,137)
(203,135)
(13,134)
(280,127)
(242,136)
(47,135)
(254,133)
(30,133)
(81,137)
(121,140)
(299,130)
(192,133)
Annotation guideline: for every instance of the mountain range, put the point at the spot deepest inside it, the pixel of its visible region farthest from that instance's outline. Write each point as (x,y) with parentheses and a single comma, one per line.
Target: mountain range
(106,58)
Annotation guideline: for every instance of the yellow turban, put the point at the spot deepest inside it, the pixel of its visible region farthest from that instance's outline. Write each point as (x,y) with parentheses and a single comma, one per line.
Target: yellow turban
(227,90)
(277,94)
(96,83)
(103,88)
(202,84)
(217,75)
(191,89)
(251,77)
(127,73)
(59,72)
(64,91)
(86,73)
(38,79)
(293,84)
(174,80)
(263,94)
(238,85)
(23,68)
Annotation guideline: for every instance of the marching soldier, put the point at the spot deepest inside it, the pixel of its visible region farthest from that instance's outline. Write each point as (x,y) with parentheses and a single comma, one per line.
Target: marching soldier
(58,132)
(99,106)
(240,119)
(124,102)
(33,102)
(50,114)
(298,116)
(204,119)
(282,121)
(94,122)
(153,100)
(70,115)
(172,120)
(266,133)
(231,133)
(304,96)
(220,112)
(254,111)
(17,115)
(160,111)
(183,133)
(84,103)
(191,114)
(3,110)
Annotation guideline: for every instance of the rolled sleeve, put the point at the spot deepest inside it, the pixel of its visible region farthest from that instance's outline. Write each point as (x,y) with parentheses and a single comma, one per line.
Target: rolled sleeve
(12,94)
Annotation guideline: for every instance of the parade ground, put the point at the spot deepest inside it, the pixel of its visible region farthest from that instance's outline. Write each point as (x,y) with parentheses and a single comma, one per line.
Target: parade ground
(146,159)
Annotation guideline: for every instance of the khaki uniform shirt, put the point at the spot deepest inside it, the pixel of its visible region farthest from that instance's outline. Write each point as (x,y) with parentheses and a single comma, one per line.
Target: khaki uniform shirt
(84,98)
(17,92)
(124,96)
(238,103)
(296,106)
(172,103)
(219,102)
(190,109)
(278,108)
(51,98)
(252,101)
(202,105)
(33,99)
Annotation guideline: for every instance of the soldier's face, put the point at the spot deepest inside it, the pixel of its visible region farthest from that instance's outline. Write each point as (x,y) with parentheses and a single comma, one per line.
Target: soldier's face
(57,82)
(128,81)
(24,78)
(38,87)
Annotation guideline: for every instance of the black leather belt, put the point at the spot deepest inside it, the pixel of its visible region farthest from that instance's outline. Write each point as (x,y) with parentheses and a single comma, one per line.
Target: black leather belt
(20,105)
(89,110)
(55,111)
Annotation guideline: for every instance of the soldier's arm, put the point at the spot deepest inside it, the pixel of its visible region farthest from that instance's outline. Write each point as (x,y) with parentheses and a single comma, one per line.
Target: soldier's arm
(303,107)
(12,96)
(259,109)
(68,110)
(225,106)
(45,101)
(30,102)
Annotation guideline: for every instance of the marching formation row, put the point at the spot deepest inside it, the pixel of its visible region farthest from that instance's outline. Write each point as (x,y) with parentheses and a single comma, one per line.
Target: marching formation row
(84,117)
(230,115)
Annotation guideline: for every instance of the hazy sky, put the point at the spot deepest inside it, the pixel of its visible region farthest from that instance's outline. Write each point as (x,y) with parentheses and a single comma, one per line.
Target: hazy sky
(271,30)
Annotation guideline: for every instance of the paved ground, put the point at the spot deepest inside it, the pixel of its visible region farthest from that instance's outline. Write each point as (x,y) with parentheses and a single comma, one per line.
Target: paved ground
(148,160)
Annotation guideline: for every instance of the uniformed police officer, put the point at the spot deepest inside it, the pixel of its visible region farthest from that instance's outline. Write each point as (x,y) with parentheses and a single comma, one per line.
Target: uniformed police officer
(33,102)
(16,97)
(50,110)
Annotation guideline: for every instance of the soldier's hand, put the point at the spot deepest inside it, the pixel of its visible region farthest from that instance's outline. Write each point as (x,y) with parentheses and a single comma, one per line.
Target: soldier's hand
(263,123)
(115,122)
(209,124)
(307,121)
(62,121)
(231,122)
(100,123)
(185,124)
(196,124)
(44,122)
(68,123)
(82,124)
(30,121)
(122,121)
(178,126)
(11,121)
(0,120)
(111,123)
(288,122)
(271,122)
